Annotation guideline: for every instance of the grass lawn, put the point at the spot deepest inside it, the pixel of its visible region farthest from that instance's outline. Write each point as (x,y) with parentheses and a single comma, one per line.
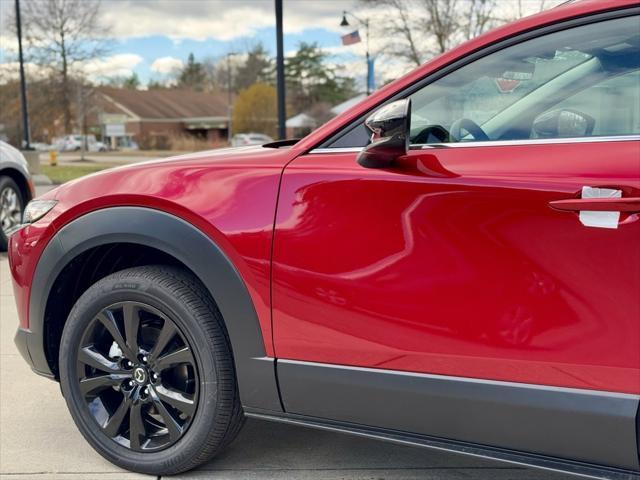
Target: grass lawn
(63,173)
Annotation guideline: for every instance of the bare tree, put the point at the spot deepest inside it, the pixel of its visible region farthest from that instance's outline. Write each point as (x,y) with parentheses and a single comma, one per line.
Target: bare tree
(443,21)
(400,26)
(60,35)
(419,29)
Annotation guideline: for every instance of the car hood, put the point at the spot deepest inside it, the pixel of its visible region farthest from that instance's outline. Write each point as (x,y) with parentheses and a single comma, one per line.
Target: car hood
(177,179)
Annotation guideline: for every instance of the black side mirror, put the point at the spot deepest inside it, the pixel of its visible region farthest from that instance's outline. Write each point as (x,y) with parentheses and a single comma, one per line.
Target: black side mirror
(389,128)
(563,123)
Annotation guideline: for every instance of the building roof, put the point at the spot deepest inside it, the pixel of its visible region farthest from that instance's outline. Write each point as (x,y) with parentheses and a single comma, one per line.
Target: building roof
(167,103)
(344,106)
(300,121)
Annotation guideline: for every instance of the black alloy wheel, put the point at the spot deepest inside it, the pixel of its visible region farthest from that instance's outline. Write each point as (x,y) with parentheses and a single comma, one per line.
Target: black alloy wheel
(138,376)
(147,371)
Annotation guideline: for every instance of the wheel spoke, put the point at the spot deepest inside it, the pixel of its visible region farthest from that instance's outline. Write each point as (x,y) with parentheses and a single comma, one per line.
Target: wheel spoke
(107,319)
(90,356)
(101,382)
(113,424)
(178,400)
(174,428)
(166,334)
(169,360)
(131,324)
(136,426)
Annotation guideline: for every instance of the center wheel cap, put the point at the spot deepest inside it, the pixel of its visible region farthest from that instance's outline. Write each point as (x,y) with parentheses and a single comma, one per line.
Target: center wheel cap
(140,375)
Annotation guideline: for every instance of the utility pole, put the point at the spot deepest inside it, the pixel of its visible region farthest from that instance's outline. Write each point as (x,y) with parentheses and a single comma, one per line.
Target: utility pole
(26,134)
(229,96)
(282,131)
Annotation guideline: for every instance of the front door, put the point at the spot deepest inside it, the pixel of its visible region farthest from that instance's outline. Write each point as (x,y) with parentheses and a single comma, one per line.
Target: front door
(486,288)
(457,261)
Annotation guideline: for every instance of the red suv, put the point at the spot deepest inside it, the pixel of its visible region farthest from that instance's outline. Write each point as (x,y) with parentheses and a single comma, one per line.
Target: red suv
(452,263)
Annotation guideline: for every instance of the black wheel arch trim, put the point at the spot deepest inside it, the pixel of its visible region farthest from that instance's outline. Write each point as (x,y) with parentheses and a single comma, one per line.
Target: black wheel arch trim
(186,243)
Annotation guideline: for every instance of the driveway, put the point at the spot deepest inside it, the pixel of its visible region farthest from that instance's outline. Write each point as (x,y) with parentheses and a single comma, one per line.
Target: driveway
(38,439)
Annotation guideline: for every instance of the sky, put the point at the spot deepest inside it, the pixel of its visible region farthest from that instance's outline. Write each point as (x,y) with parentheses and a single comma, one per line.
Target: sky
(153,37)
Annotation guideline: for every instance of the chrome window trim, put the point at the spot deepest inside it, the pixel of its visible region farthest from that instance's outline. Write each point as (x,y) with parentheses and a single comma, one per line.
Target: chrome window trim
(496,143)
(337,150)
(530,141)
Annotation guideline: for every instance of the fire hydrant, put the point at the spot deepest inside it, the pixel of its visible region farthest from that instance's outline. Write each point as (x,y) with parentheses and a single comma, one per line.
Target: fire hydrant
(53,158)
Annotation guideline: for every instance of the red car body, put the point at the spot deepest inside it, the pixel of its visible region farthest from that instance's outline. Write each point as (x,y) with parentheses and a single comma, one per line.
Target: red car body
(452,263)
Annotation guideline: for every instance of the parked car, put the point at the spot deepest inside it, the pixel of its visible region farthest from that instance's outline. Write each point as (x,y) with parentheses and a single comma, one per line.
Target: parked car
(452,263)
(73,143)
(41,146)
(244,139)
(16,190)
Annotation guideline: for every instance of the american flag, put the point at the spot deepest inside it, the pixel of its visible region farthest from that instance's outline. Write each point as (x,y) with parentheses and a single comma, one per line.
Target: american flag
(351,38)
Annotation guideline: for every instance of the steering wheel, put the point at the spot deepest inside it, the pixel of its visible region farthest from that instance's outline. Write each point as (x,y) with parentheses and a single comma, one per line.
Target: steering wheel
(467,125)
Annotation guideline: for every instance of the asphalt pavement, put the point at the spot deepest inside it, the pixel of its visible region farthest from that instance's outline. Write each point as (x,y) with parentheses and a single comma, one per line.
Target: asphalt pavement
(38,439)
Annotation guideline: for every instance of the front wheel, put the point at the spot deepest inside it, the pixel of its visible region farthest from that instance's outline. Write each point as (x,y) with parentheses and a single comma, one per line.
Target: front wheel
(11,209)
(147,371)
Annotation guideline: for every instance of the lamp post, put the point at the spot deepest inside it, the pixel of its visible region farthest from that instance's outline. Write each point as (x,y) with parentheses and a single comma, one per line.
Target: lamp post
(364,23)
(26,134)
(229,96)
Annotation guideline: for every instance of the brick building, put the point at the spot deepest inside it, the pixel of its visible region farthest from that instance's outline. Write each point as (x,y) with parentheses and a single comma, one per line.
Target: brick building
(158,118)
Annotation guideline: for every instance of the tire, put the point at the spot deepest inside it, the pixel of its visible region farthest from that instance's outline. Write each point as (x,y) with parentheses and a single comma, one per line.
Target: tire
(7,184)
(159,292)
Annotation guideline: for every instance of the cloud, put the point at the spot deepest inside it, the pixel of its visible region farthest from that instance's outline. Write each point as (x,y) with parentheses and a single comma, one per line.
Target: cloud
(120,65)
(165,65)
(10,71)
(220,20)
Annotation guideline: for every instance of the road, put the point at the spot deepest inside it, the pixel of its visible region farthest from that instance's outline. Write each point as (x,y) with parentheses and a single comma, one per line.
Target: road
(39,441)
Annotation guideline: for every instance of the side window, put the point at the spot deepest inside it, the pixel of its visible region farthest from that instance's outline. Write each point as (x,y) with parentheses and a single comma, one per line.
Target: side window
(578,82)
(612,106)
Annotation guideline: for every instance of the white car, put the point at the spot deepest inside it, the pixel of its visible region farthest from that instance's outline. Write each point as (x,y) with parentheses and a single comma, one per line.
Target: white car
(73,143)
(244,139)
(16,190)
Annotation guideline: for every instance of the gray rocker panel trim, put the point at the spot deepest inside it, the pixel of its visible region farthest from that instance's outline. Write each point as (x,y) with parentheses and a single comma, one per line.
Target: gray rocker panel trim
(578,425)
(183,241)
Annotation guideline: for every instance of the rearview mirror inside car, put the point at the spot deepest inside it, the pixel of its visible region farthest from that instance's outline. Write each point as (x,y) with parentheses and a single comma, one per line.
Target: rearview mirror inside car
(389,127)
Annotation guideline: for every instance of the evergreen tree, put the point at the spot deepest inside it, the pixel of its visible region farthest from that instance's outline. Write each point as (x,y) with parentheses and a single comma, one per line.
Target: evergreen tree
(193,75)
(311,80)
(258,68)
(132,82)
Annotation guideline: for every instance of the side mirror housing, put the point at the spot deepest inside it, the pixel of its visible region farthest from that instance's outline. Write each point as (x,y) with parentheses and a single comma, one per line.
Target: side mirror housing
(389,126)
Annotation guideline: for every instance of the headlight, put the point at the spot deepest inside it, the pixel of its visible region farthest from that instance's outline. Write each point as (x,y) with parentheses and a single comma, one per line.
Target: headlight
(37,209)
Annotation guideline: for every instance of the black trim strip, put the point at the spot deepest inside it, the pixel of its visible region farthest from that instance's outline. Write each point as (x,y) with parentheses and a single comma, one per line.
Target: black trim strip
(475,450)
(579,425)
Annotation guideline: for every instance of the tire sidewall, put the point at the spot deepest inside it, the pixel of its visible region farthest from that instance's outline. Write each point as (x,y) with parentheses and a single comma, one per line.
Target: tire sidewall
(102,295)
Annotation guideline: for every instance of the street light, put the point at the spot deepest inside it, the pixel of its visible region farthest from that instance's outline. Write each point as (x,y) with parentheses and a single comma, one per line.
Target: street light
(364,23)
(26,134)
